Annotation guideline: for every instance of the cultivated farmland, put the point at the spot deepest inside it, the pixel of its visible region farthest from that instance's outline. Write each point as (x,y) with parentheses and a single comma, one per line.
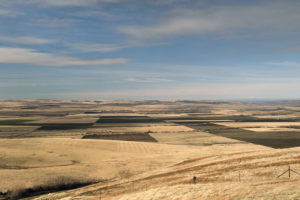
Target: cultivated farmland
(148,150)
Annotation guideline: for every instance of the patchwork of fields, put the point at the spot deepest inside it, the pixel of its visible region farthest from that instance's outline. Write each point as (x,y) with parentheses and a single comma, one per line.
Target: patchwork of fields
(157,145)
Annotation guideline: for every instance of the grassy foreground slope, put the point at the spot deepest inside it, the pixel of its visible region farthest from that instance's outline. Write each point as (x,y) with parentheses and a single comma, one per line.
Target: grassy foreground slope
(246,173)
(34,162)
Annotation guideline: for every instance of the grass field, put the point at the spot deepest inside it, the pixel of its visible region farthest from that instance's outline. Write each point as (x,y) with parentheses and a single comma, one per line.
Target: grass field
(148,150)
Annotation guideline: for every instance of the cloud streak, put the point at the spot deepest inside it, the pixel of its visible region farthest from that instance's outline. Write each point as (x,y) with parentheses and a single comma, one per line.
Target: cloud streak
(9,13)
(234,20)
(179,26)
(4,12)
(70,3)
(97,47)
(284,64)
(26,40)
(31,56)
(148,80)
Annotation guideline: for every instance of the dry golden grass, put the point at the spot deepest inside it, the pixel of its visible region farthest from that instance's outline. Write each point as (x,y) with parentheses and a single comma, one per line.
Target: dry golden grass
(64,120)
(140,170)
(259,124)
(139,128)
(220,191)
(197,138)
(217,178)
(286,116)
(200,120)
(32,162)
(273,129)
(70,134)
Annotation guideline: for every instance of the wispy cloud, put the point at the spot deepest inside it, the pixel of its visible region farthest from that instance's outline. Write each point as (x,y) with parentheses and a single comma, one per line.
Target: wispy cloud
(31,56)
(284,64)
(4,84)
(179,26)
(68,3)
(9,13)
(231,20)
(64,3)
(87,3)
(148,80)
(5,12)
(96,47)
(26,40)
(88,13)
(53,22)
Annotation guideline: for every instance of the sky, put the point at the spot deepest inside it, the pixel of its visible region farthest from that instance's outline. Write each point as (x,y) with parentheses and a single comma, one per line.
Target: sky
(150,49)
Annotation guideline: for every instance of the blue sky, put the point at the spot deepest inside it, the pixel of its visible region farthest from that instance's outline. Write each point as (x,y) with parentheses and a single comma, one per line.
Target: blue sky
(158,49)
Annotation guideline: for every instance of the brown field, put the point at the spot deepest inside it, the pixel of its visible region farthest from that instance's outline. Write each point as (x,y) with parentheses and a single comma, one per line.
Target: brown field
(148,150)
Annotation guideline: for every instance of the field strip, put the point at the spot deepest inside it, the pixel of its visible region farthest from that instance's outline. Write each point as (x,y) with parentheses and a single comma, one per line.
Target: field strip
(258,124)
(198,120)
(33,167)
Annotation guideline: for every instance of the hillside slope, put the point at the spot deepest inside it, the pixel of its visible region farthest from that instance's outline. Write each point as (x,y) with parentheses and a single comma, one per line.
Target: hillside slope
(240,174)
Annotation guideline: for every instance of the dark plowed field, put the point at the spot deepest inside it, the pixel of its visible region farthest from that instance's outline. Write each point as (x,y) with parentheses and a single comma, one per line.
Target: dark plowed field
(145,137)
